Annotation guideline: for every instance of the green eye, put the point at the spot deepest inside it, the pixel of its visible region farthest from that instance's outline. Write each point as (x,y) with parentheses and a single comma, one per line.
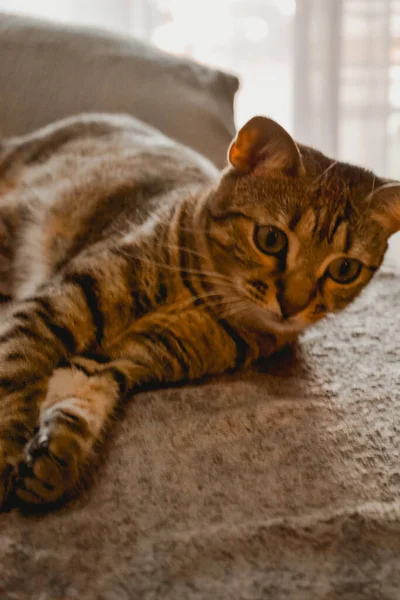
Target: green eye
(344,270)
(270,240)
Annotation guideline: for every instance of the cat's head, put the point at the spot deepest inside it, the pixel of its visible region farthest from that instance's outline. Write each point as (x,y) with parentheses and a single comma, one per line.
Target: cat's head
(298,234)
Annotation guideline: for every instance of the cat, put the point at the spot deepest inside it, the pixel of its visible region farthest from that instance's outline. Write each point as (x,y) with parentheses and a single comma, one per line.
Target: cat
(127,260)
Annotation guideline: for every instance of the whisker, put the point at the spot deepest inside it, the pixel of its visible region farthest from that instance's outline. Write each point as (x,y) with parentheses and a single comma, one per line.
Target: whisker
(232,313)
(219,276)
(223,302)
(324,173)
(184,249)
(373,185)
(192,300)
(219,301)
(234,302)
(385,186)
(372,192)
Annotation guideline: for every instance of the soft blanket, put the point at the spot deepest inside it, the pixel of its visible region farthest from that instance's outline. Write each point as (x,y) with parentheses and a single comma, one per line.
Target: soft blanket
(279,483)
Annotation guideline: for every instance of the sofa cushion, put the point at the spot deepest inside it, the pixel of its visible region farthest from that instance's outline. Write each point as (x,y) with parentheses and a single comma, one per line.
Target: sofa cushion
(50,71)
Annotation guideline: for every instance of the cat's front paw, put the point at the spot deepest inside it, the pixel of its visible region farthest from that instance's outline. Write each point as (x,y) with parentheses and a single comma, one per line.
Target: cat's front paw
(53,461)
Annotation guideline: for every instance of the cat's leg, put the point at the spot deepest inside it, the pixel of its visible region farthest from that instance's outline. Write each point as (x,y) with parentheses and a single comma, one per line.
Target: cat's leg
(17,425)
(84,306)
(72,419)
(81,398)
(32,343)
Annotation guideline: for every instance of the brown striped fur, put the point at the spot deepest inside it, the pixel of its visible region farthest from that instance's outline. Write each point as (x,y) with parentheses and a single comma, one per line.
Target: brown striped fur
(126,260)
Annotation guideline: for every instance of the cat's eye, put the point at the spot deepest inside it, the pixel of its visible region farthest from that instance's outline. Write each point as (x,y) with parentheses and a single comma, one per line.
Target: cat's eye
(270,240)
(344,270)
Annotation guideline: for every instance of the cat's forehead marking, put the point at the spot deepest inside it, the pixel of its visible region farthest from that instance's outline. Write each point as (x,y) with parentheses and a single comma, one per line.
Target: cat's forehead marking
(341,238)
(314,225)
(294,250)
(306,223)
(315,237)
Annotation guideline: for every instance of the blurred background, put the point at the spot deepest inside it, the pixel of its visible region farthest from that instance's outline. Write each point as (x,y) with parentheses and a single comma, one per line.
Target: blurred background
(328,70)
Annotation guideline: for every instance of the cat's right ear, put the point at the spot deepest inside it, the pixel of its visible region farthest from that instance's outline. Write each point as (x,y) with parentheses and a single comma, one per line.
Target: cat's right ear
(386,206)
(263,141)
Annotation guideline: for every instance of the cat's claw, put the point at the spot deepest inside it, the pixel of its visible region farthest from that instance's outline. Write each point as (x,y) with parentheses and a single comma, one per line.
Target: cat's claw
(36,446)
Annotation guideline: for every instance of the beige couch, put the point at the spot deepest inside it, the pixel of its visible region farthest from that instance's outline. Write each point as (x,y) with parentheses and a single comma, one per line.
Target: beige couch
(281,483)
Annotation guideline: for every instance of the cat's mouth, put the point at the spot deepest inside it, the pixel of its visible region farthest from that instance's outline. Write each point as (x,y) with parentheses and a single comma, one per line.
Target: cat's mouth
(261,319)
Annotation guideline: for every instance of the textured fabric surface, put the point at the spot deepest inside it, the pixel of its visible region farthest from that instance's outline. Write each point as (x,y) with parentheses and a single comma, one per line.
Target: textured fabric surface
(48,72)
(281,483)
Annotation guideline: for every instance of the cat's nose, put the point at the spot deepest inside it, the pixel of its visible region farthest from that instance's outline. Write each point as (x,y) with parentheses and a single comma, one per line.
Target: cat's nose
(295,295)
(289,309)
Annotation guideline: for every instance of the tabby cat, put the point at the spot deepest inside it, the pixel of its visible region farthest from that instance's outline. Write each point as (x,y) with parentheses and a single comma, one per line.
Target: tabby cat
(127,260)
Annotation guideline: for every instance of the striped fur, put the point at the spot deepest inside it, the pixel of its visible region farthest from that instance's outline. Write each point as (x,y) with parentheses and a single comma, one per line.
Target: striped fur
(133,264)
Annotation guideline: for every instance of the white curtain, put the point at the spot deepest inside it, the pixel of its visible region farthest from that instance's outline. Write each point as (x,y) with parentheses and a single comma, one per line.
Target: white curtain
(328,70)
(347,80)
(111,14)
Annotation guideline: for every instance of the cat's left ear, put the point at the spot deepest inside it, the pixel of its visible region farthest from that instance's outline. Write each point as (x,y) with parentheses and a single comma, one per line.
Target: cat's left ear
(387,206)
(262,140)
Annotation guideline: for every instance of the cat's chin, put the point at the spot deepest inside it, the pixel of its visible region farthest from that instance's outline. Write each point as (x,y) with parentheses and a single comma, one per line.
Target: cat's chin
(261,320)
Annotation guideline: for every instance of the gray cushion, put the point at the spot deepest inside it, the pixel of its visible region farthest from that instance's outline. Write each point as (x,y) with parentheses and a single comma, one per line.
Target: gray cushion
(49,71)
